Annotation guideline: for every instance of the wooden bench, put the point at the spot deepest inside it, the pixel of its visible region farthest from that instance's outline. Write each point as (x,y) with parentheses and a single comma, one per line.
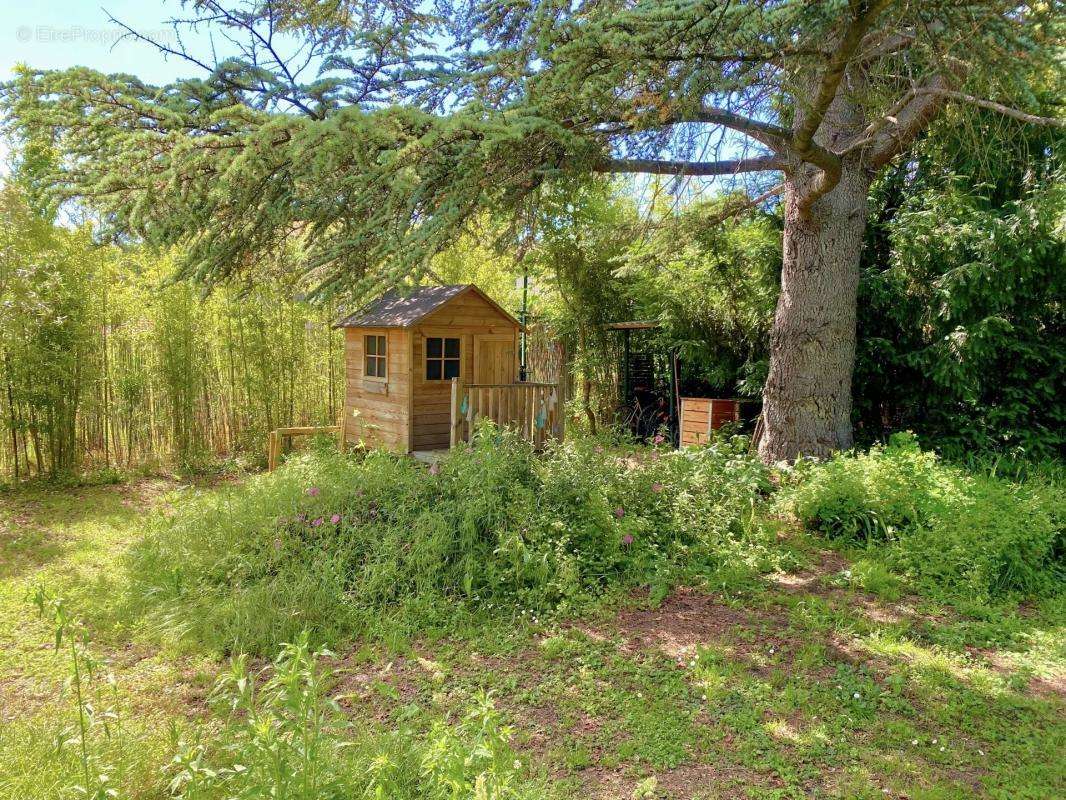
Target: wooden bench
(280,438)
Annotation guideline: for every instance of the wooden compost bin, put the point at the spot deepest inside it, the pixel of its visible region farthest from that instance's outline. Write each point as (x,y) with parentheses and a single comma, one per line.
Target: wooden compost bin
(701,415)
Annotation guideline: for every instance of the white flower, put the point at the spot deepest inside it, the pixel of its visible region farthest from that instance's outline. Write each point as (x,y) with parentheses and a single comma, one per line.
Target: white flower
(856,695)
(914,742)
(704,697)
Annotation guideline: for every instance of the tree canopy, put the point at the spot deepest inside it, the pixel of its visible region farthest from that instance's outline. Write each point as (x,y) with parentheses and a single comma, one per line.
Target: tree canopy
(373,131)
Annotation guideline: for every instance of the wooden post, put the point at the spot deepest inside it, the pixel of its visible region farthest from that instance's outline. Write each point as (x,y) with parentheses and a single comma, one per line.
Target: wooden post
(710,419)
(456,421)
(342,432)
(561,379)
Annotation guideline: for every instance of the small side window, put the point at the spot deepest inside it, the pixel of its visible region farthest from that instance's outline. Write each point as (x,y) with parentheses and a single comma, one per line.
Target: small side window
(442,358)
(375,357)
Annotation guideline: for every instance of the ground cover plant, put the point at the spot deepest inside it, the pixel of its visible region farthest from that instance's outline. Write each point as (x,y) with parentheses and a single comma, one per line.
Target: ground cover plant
(750,633)
(382,545)
(951,531)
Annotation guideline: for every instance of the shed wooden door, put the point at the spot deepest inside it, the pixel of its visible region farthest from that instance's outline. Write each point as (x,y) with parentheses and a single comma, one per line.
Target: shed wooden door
(494,359)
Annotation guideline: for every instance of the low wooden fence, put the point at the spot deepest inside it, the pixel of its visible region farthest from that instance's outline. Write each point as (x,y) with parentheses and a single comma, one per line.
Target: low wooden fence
(534,410)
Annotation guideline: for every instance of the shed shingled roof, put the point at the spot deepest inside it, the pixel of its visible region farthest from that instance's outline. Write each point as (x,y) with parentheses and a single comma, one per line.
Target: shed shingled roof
(396,310)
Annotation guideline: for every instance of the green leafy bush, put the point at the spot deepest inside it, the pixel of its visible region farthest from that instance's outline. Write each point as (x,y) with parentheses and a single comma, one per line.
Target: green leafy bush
(380,544)
(949,530)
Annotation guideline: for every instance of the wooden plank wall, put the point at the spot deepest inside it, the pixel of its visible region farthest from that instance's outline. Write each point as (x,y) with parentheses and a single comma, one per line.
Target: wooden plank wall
(384,407)
(701,415)
(464,317)
(432,399)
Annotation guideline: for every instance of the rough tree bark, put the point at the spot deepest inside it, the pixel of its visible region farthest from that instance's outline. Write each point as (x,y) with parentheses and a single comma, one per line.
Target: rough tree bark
(807,397)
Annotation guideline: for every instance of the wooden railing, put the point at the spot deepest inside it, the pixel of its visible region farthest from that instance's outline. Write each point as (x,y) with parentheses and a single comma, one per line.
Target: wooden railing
(534,410)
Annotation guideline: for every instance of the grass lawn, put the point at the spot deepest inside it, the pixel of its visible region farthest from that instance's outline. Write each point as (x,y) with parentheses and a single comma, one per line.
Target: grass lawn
(797,684)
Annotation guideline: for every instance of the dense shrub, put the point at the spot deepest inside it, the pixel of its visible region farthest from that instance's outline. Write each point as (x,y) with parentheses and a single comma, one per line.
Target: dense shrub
(383,544)
(947,529)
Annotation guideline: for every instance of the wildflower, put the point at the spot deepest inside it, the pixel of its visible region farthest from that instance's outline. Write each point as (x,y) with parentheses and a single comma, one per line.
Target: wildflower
(704,697)
(914,742)
(627,539)
(659,439)
(434,469)
(313,491)
(856,695)
(335,518)
(656,487)
(619,512)
(599,448)
(301,518)
(318,521)
(277,544)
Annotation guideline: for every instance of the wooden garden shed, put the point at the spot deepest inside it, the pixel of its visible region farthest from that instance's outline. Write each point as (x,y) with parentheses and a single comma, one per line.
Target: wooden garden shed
(406,353)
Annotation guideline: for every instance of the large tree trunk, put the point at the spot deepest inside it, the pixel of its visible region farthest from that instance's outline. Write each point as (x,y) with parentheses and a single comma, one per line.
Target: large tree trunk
(807,397)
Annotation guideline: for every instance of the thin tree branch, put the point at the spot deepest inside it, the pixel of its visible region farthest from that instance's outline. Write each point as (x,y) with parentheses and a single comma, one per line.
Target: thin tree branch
(689,168)
(773,136)
(991,105)
(912,118)
(741,207)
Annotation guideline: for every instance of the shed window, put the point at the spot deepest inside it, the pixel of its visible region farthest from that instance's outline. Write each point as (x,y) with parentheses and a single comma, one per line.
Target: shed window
(375,356)
(442,358)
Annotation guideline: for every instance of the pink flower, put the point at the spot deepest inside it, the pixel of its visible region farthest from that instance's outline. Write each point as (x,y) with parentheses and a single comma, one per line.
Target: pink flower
(313,491)
(619,512)
(335,518)
(301,518)
(627,539)
(656,487)
(317,522)
(659,439)
(434,468)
